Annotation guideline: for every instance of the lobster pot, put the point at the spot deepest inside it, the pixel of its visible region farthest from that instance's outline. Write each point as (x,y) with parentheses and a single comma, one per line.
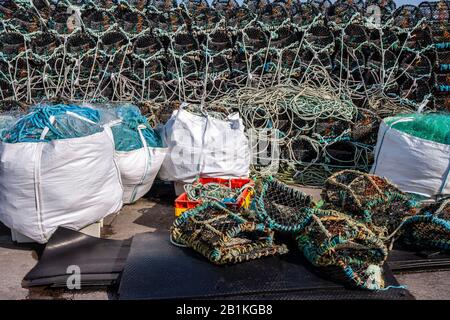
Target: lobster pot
(70,183)
(138,170)
(415,164)
(204,146)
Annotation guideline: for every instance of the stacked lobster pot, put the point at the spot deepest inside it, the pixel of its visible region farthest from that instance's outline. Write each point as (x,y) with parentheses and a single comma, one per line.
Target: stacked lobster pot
(439,17)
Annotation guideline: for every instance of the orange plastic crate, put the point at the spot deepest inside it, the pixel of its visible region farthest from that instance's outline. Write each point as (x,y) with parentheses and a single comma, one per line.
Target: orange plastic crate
(182,203)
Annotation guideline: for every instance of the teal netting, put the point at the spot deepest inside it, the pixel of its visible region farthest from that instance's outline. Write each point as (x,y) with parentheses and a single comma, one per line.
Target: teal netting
(433,127)
(126,134)
(6,122)
(61,121)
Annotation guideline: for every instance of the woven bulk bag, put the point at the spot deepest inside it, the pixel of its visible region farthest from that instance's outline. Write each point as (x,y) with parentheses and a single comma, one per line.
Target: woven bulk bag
(62,172)
(203,145)
(429,230)
(139,152)
(413,151)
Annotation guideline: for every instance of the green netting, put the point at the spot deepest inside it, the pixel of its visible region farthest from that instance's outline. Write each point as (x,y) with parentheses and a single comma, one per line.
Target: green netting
(53,122)
(434,127)
(6,122)
(126,134)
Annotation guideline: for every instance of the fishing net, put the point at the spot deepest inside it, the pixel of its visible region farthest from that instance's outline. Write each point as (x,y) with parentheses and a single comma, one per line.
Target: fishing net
(433,127)
(280,207)
(53,122)
(224,237)
(370,199)
(133,129)
(343,248)
(430,229)
(215,191)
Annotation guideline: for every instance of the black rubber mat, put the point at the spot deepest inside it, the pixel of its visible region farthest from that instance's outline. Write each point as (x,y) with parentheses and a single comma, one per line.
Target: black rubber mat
(101,261)
(156,269)
(412,261)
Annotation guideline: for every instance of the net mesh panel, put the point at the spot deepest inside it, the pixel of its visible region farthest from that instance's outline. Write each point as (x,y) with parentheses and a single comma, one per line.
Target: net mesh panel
(147,45)
(214,191)
(430,229)
(219,41)
(433,127)
(225,6)
(273,15)
(407,16)
(416,66)
(127,133)
(185,43)
(162,5)
(283,37)
(420,39)
(254,39)
(365,128)
(280,206)
(416,90)
(12,43)
(113,41)
(304,150)
(241,17)
(255,6)
(224,237)
(343,248)
(207,18)
(342,12)
(443,57)
(355,35)
(319,37)
(305,14)
(370,199)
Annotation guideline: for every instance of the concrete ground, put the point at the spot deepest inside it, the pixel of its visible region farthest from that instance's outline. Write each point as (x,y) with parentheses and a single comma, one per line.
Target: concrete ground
(149,215)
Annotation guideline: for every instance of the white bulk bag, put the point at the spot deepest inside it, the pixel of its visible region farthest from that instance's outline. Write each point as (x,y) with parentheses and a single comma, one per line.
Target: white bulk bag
(202,145)
(138,169)
(414,164)
(70,183)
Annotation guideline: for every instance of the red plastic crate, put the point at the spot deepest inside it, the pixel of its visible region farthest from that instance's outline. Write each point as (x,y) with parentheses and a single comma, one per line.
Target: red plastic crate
(182,203)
